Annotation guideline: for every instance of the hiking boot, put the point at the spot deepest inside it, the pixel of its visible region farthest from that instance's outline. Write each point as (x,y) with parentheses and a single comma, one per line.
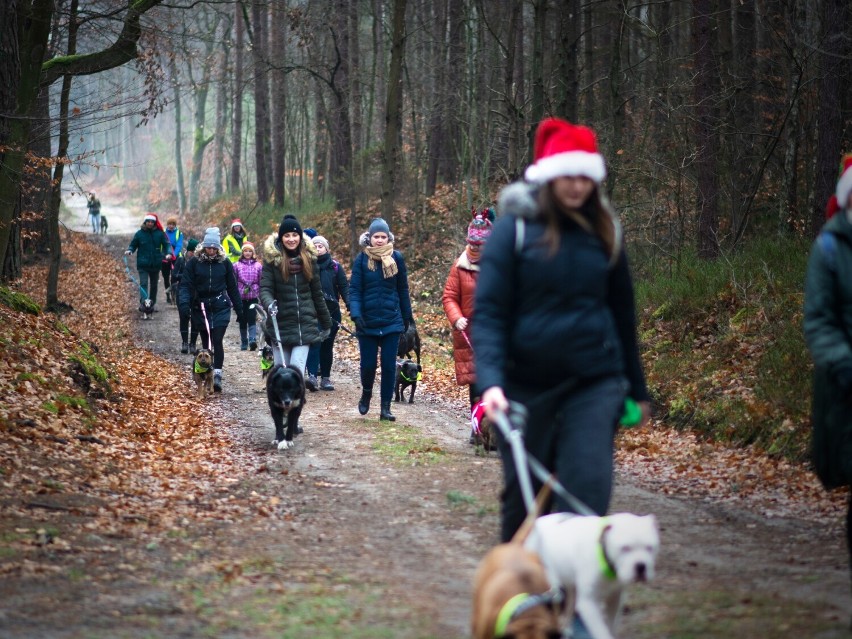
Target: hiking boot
(385,412)
(193,349)
(217,382)
(244,345)
(252,345)
(184,348)
(326,385)
(364,402)
(311,383)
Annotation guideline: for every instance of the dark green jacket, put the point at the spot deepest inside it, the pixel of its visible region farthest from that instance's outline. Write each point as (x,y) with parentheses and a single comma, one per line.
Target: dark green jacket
(828,326)
(300,301)
(152,246)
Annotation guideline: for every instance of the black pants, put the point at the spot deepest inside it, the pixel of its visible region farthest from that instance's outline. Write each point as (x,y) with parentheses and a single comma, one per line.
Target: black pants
(217,337)
(166,270)
(326,354)
(190,337)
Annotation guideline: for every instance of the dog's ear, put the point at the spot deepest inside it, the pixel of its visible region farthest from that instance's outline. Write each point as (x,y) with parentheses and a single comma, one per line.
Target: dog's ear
(419,368)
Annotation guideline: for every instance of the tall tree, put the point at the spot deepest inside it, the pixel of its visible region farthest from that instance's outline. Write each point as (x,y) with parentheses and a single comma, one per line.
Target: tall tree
(261,98)
(237,93)
(279,99)
(393,111)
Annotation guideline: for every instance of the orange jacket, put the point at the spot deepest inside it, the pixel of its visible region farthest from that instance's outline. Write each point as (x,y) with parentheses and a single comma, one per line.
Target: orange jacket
(458,302)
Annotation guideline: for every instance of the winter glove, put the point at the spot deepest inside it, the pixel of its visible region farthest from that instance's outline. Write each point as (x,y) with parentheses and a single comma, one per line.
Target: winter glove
(128,252)
(359,324)
(406,322)
(324,334)
(272,309)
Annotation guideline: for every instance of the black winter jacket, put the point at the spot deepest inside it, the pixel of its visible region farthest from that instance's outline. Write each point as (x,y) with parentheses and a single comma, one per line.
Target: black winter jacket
(541,319)
(300,302)
(152,246)
(214,283)
(335,286)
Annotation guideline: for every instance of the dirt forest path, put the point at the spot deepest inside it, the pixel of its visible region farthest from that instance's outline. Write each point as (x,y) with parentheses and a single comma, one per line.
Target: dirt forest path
(380,527)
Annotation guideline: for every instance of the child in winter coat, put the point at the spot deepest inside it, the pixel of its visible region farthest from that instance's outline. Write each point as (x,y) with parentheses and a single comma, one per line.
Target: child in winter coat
(247,269)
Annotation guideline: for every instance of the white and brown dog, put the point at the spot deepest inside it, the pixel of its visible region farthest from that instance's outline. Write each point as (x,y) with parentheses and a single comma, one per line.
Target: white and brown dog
(593,559)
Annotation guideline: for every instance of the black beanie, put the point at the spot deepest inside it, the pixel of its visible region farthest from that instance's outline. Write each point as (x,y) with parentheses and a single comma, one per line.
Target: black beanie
(289,225)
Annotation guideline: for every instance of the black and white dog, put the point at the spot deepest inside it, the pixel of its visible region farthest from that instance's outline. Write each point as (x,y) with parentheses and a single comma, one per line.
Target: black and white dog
(407,374)
(285,392)
(146,307)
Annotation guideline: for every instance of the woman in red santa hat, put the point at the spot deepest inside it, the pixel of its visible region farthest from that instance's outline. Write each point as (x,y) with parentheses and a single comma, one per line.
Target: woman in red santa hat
(555,320)
(152,245)
(828,332)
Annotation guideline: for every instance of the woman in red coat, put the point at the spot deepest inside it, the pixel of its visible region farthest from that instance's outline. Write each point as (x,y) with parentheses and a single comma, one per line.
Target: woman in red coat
(458,299)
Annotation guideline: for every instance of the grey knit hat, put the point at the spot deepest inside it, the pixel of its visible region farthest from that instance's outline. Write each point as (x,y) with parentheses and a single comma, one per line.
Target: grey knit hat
(321,240)
(379,226)
(212,238)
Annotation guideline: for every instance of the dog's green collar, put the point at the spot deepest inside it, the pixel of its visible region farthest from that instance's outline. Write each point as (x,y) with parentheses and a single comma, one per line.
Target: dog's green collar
(407,379)
(265,364)
(507,613)
(606,566)
(199,369)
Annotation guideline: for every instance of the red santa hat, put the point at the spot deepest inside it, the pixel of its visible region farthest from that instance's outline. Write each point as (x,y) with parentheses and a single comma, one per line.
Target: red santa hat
(152,217)
(844,184)
(563,149)
(236,222)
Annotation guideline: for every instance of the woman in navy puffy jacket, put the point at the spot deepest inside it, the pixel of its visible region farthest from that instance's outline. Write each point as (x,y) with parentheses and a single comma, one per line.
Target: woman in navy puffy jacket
(381,309)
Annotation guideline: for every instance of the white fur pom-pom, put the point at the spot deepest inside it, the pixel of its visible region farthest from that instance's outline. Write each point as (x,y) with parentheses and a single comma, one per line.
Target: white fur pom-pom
(518,198)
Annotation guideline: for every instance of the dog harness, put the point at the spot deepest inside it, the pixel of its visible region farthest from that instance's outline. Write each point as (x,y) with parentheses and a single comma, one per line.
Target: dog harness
(605,564)
(416,379)
(198,368)
(265,364)
(519,604)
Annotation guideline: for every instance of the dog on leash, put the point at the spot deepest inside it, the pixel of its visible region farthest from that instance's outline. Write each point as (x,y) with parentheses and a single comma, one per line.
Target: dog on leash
(594,559)
(482,431)
(285,393)
(407,374)
(104,224)
(146,307)
(409,342)
(512,596)
(266,360)
(202,372)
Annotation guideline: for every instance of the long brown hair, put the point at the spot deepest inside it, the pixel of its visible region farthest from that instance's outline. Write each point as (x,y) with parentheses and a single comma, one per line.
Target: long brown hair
(594,216)
(306,255)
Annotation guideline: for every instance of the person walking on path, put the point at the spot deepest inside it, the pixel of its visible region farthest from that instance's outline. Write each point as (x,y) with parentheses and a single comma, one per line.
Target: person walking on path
(555,321)
(233,241)
(186,338)
(152,245)
(335,287)
(828,333)
(175,237)
(94,206)
(208,290)
(248,269)
(290,278)
(458,299)
(380,306)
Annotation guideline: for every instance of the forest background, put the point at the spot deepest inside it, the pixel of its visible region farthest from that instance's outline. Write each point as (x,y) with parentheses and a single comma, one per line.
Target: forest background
(722,122)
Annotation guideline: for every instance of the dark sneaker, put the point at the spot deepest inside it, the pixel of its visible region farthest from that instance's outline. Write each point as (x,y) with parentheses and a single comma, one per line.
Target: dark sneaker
(311,383)
(244,346)
(217,382)
(184,348)
(326,385)
(252,345)
(193,350)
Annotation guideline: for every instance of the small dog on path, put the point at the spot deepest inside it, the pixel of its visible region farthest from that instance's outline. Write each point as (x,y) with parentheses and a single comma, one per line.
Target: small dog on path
(104,224)
(285,393)
(202,372)
(407,374)
(594,559)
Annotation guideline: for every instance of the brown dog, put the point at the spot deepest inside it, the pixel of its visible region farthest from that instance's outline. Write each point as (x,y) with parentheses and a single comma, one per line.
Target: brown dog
(511,593)
(202,372)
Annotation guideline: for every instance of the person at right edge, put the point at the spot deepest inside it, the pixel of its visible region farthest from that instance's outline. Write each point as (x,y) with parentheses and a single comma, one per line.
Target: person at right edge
(381,309)
(555,322)
(828,333)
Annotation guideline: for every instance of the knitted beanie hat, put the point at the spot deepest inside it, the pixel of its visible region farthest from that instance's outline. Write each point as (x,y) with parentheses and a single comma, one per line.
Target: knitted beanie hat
(844,184)
(563,149)
(289,225)
(247,245)
(311,233)
(319,239)
(480,226)
(192,244)
(171,220)
(212,238)
(378,225)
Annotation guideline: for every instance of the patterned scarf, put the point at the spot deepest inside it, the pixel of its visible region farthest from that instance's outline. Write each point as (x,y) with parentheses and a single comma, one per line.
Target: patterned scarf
(385,255)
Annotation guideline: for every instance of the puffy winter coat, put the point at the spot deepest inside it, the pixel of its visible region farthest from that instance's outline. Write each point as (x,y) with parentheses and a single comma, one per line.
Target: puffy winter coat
(151,246)
(828,333)
(300,302)
(248,277)
(212,282)
(335,286)
(382,302)
(458,302)
(542,319)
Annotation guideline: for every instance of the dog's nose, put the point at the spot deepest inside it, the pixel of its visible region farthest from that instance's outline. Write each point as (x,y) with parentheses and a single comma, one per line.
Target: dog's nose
(287,402)
(641,572)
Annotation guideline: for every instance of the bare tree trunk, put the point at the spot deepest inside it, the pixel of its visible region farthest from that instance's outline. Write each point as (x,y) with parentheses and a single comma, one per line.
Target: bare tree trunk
(239,83)
(279,96)
(537,70)
(390,164)
(355,82)
(261,99)
(436,142)
(448,169)
(706,68)
(567,81)
(834,73)
(221,115)
(181,186)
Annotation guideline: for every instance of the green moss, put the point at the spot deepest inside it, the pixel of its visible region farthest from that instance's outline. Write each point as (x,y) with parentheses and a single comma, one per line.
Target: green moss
(18,301)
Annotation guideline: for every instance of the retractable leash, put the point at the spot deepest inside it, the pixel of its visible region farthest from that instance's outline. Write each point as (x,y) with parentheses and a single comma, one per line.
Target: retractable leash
(511,426)
(273,313)
(344,328)
(133,279)
(207,326)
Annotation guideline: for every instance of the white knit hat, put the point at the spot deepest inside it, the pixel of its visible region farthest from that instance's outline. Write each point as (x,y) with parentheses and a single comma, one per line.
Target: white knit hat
(212,238)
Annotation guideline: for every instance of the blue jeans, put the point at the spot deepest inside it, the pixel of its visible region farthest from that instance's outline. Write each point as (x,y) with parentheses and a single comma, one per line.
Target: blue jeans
(572,434)
(369,345)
